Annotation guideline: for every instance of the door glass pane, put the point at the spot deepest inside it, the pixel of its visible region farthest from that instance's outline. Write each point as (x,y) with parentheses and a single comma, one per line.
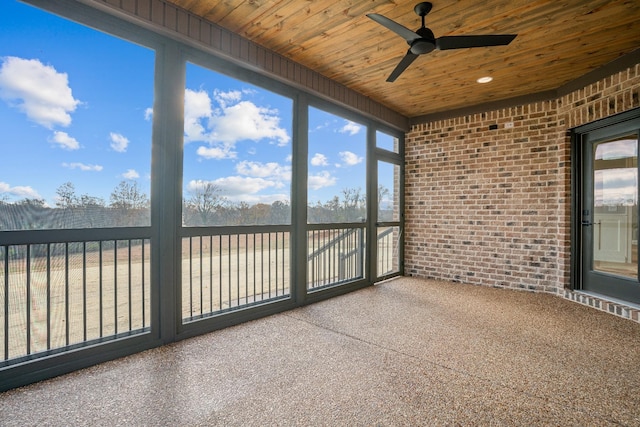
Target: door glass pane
(388,192)
(615,220)
(388,243)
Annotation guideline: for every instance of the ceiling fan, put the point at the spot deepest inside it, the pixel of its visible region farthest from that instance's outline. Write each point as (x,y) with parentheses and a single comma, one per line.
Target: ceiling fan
(423,41)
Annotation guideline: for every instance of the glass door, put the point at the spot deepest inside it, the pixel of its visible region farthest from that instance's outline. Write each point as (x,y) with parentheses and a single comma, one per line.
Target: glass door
(609,223)
(388,206)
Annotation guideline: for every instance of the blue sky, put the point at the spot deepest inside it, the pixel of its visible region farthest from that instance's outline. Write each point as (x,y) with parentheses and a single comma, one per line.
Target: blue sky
(75,105)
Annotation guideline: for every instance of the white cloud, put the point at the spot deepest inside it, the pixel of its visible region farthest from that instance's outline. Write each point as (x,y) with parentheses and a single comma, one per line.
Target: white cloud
(351,128)
(38,90)
(65,141)
(238,189)
(323,179)
(320,127)
(319,160)
(247,121)
(223,152)
(148,114)
(19,191)
(349,158)
(119,142)
(234,120)
(131,174)
(197,106)
(83,167)
(226,98)
(271,170)
(235,186)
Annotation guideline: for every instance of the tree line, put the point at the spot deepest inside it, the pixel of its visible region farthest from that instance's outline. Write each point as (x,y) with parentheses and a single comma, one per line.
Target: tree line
(129,206)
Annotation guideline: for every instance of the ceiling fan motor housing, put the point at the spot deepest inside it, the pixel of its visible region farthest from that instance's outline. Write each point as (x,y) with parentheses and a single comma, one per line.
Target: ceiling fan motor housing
(425,44)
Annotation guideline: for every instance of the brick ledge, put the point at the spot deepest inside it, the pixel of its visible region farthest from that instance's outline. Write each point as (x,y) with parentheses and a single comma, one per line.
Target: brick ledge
(617,308)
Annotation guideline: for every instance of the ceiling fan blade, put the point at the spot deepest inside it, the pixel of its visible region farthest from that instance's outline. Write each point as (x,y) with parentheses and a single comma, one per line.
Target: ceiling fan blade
(400,30)
(461,42)
(404,63)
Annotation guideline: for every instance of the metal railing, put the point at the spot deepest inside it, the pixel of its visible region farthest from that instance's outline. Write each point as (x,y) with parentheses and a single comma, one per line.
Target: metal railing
(60,293)
(233,267)
(63,289)
(335,255)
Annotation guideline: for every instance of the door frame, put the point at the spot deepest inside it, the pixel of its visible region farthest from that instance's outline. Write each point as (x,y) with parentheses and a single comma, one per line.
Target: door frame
(612,126)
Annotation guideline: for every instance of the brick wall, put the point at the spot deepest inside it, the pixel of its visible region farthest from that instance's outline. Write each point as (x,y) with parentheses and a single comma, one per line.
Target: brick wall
(487,203)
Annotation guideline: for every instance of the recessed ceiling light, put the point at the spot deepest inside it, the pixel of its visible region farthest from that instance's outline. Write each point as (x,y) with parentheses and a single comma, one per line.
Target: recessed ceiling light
(486,79)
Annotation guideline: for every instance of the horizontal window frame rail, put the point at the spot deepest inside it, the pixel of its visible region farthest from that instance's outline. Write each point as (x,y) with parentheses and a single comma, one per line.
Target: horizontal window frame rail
(388,224)
(223,230)
(76,346)
(42,368)
(336,225)
(73,235)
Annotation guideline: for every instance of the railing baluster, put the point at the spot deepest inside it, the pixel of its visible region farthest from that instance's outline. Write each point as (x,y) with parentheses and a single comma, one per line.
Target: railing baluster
(66,291)
(238,268)
(115,286)
(84,291)
(262,265)
(211,274)
(190,276)
(229,265)
(270,265)
(129,271)
(100,288)
(48,296)
(28,328)
(220,269)
(143,266)
(246,268)
(6,302)
(201,278)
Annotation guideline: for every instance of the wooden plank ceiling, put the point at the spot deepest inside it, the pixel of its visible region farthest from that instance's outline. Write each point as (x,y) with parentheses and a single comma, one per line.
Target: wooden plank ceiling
(558,41)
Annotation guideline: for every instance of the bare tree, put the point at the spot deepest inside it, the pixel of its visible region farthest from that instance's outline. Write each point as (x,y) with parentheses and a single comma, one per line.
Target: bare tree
(131,204)
(66,196)
(353,204)
(128,196)
(204,200)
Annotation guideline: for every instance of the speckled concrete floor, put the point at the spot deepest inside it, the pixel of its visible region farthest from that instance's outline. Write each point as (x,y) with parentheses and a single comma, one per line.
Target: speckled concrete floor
(406,352)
